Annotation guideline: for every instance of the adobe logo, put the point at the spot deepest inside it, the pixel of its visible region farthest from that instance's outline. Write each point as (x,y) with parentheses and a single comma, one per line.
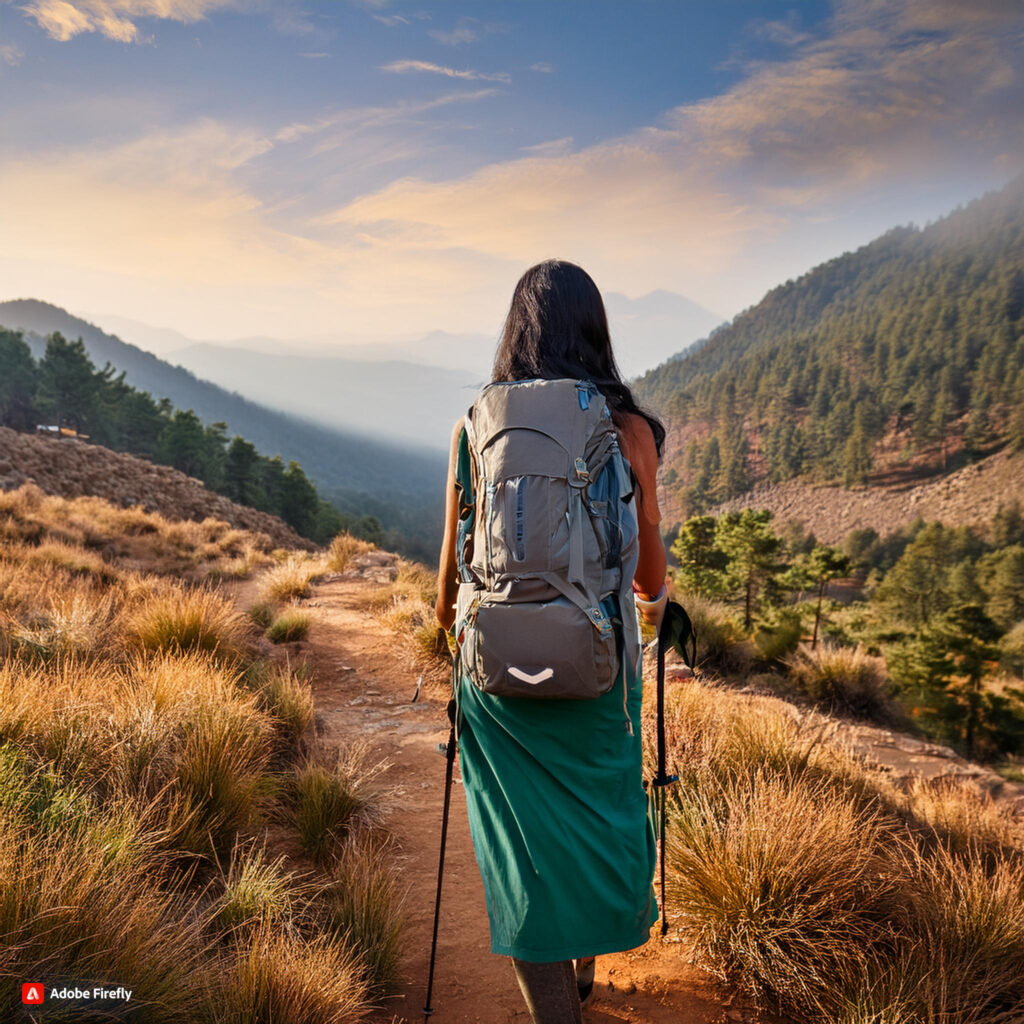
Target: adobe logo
(32,992)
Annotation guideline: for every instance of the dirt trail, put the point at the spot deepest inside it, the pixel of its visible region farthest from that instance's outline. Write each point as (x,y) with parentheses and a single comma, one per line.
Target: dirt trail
(363,687)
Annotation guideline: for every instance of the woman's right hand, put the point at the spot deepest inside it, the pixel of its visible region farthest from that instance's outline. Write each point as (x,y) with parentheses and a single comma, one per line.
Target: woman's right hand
(652,607)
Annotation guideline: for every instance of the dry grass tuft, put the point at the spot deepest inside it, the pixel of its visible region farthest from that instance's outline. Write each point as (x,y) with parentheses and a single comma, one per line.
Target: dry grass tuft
(844,681)
(275,975)
(289,626)
(331,794)
(343,549)
(285,697)
(291,578)
(186,621)
(361,904)
(255,890)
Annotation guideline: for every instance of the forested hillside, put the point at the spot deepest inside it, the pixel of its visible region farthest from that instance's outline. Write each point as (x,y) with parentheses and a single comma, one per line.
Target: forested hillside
(359,475)
(907,353)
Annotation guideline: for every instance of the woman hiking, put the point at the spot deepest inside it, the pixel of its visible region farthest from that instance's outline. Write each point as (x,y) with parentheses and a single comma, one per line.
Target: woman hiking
(557,808)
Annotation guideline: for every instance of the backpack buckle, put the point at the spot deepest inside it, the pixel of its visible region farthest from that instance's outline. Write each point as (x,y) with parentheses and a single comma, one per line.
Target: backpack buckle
(581,469)
(600,620)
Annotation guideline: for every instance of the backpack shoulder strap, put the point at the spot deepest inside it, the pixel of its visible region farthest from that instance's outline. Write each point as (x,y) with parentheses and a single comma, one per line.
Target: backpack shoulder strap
(464,487)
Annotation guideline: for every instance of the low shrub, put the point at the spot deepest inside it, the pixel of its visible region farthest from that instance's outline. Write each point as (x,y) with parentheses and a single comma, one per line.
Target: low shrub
(262,613)
(722,645)
(844,681)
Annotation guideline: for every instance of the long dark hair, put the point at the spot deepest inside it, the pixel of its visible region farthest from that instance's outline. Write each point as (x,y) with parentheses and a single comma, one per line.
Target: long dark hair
(557,327)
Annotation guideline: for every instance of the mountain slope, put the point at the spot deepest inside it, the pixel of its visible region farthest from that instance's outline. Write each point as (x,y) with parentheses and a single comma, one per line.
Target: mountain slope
(73,469)
(902,357)
(402,486)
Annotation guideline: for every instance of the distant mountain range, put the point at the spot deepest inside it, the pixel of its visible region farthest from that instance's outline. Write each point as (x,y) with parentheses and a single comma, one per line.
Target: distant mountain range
(401,484)
(645,332)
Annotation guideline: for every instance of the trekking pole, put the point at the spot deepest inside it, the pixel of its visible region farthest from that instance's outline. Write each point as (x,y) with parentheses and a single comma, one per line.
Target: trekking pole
(448,771)
(662,779)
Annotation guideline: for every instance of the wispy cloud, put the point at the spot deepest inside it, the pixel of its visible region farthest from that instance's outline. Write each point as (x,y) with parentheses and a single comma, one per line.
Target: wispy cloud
(115,19)
(314,56)
(553,147)
(376,116)
(456,36)
(11,54)
(543,67)
(466,30)
(404,66)
(393,20)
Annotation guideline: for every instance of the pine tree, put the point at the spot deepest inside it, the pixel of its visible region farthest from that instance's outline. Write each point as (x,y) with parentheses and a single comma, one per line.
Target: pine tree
(753,551)
(68,385)
(701,562)
(241,473)
(183,443)
(1005,586)
(18,382)
(857,454)
(299,502)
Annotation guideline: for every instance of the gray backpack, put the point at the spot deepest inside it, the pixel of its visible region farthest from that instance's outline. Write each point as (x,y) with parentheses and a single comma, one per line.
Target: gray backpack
(547,543)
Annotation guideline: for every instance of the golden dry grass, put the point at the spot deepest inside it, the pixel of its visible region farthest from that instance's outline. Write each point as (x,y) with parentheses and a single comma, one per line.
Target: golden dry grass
(805,877)
(332,793)
(342,550)
(275,976)
(291,578)
(185,621)
(89,535)
(361,902)
(843,680)
(143,749)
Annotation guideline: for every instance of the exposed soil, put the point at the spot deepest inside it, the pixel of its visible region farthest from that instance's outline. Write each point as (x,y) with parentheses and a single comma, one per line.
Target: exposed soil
(969,496)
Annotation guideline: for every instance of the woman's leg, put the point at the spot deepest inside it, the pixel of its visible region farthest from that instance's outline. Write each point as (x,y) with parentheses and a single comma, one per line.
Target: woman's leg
(549,991)
(585,978)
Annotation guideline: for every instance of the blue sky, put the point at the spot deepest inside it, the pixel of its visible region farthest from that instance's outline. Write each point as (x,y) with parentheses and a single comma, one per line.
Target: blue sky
(230,167)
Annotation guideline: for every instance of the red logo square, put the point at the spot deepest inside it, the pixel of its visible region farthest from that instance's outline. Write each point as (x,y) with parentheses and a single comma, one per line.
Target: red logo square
(32,992)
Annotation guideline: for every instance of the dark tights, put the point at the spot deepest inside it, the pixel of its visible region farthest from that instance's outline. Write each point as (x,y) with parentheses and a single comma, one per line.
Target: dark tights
(550,991)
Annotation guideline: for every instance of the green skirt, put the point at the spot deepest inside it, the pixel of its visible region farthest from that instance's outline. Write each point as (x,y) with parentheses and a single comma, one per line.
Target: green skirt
(562,827)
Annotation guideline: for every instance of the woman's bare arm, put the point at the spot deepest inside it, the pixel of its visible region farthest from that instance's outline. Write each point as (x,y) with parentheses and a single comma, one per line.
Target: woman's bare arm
(447,573)
(639,448)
